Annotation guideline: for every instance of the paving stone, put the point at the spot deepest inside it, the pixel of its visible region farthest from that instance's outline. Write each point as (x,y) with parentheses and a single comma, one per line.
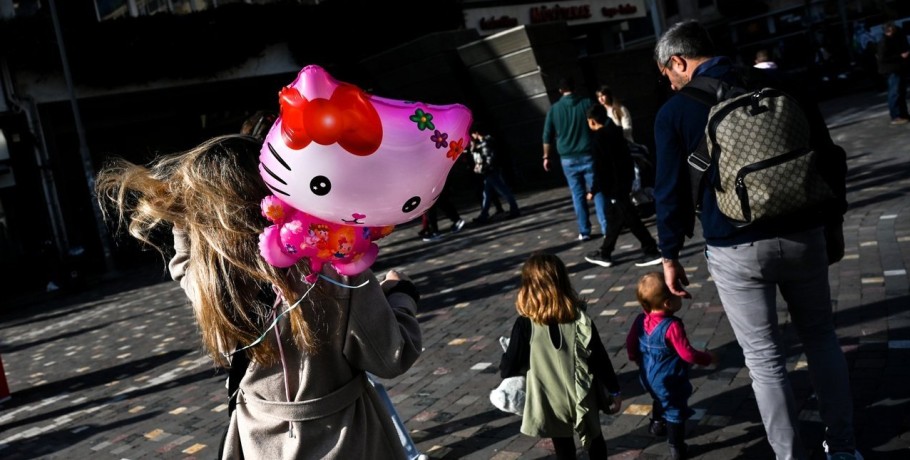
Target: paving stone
(116,371)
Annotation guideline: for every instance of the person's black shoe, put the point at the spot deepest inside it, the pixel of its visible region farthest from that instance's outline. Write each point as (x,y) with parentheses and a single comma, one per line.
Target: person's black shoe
(676,435)
(480,220)
(457,225)
(650,257)
(432,237)
(658,428)
(514,214)
(423,232)
(679,452)
(596,258)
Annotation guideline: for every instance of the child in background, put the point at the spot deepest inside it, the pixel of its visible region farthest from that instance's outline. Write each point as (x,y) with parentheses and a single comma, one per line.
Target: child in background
(613,174)
(486,163)
(556,346)
(657,343)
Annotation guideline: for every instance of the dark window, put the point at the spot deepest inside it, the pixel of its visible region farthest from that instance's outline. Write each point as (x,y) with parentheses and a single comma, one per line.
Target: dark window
(671,8)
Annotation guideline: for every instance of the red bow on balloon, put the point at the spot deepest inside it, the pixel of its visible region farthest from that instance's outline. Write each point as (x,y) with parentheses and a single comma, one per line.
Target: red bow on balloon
(347,118)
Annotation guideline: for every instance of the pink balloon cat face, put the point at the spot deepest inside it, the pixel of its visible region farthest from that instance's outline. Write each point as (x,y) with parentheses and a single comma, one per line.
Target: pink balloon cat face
(351,158)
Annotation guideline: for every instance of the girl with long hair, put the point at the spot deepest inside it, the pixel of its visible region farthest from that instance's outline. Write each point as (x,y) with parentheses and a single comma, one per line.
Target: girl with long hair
(555,344)
(305,392)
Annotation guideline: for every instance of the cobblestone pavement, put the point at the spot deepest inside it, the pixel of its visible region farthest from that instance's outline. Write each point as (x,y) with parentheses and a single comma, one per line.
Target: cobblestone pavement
(116,371)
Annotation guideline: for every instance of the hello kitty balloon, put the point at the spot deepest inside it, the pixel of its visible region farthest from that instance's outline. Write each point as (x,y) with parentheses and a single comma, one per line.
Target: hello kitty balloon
(351,158)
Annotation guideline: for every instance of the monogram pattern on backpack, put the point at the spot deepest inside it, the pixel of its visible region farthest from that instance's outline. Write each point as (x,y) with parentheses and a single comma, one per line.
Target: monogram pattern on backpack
(760,142)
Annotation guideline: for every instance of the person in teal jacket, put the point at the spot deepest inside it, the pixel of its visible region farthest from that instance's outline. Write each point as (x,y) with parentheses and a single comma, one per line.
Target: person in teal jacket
(566,128)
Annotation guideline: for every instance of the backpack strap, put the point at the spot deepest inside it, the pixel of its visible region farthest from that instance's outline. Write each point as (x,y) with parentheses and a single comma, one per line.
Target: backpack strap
(707,91)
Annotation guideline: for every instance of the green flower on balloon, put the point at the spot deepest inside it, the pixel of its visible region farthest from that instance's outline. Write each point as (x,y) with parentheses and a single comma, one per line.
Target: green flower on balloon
(424,120)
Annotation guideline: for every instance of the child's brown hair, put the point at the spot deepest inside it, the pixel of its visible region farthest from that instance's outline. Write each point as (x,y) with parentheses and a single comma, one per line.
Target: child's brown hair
(652,291)
(546,295)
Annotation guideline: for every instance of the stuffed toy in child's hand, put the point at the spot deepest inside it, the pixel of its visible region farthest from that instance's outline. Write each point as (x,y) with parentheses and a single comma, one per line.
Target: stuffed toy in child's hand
(509,396)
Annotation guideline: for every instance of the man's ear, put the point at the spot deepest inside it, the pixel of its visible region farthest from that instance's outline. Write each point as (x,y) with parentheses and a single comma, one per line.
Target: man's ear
(681,61)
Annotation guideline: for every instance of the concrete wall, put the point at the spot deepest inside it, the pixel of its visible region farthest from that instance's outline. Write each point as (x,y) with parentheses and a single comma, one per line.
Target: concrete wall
(514,73)
(509,81)
(633,77)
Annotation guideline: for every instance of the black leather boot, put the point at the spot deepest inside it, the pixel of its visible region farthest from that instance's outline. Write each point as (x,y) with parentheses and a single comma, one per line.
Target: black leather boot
(657,427)
(676,439)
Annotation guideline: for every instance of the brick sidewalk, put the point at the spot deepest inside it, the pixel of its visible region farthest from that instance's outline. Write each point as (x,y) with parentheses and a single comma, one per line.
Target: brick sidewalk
(117,372)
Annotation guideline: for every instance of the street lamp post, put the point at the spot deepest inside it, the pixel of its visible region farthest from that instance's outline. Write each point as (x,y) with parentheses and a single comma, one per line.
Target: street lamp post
(87,166)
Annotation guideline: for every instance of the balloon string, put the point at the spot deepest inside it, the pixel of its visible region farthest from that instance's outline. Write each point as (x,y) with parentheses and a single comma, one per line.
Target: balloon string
(336,283)
(296,304)
(274,322)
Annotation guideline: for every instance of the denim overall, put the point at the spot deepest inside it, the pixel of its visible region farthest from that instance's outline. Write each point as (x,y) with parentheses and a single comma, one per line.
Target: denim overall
(663,373)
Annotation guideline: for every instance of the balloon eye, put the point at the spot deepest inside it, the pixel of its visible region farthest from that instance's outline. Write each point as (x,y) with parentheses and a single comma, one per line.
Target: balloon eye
(321,185)
(411,204)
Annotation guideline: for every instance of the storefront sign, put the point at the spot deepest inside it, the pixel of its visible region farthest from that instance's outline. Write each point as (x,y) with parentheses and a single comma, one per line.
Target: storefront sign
(498,18)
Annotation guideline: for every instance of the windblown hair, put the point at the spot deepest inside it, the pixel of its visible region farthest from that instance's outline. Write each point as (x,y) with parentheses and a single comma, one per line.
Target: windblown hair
(546,295)
(652,291)
(611,100)
(213,193)
(687,39)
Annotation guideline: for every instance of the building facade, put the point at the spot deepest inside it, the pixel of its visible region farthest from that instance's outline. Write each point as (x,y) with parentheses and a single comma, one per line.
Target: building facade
(83,80)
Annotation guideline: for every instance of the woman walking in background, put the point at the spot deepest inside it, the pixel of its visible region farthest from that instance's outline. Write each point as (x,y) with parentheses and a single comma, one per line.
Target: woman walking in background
(615,110)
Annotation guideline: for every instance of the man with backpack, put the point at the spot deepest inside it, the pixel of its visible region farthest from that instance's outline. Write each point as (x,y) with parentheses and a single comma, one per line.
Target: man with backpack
(750,255)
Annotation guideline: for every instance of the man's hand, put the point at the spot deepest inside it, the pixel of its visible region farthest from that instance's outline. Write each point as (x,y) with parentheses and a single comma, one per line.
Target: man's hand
(676,278)
(547,155)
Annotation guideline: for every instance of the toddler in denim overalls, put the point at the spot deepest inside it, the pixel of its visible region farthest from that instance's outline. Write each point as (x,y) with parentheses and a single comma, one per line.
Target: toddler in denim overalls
(657,343)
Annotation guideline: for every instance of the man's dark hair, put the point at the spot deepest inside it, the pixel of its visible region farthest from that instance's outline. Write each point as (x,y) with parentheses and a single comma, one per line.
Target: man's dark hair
(598,113)
(565,84)
(762,55)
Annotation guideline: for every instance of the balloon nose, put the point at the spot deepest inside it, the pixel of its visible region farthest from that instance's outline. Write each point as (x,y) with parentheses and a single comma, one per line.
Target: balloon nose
(358,216)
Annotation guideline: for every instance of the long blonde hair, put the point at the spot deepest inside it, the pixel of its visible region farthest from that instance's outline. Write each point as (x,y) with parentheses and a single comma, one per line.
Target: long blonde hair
(213,193)
(546,295)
